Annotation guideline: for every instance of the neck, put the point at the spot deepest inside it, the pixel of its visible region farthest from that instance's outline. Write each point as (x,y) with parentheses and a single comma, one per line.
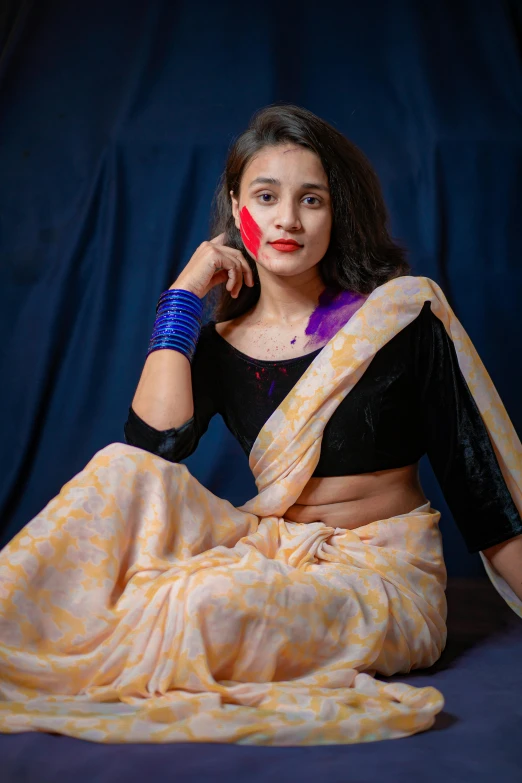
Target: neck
(288,300)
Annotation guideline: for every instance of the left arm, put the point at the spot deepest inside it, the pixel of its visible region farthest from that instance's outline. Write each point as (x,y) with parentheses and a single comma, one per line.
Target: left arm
(462,455)
(506,559)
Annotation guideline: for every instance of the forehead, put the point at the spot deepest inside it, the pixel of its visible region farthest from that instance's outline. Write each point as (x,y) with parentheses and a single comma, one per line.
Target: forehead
(286,162)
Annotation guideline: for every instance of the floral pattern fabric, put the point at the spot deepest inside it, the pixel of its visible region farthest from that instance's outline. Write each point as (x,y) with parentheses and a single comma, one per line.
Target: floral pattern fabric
(140,607)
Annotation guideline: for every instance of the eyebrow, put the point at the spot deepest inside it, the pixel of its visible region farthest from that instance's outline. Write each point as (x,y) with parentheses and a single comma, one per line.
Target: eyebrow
(272,181)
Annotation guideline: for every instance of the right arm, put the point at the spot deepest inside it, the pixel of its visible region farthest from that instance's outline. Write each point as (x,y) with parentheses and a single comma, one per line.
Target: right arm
(163,402)
(163,398)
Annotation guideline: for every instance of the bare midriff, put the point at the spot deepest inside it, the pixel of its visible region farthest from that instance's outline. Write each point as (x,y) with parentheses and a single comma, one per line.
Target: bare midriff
(337,501)
(353,501)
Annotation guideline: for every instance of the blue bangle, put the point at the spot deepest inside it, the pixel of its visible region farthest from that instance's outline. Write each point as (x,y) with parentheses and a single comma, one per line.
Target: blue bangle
(171,345)
(170,292)
(183,316)
(179,317)
(173,341)
(179,295)
(189,339)
(165,339)
(179,301)
(178,322)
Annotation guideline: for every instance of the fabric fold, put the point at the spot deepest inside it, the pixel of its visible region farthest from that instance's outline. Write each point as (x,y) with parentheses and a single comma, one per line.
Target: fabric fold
(139,606)
(302,416)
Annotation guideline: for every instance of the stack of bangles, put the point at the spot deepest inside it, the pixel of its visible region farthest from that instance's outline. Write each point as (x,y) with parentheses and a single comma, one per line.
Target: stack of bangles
(178,322)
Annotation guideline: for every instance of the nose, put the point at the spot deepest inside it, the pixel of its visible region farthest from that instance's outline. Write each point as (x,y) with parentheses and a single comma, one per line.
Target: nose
(287,218)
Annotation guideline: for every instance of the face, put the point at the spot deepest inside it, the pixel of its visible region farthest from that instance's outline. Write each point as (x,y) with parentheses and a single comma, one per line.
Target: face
(284,196)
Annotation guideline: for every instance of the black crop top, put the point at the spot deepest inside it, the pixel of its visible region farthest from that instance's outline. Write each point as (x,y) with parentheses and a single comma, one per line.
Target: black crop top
(411,400)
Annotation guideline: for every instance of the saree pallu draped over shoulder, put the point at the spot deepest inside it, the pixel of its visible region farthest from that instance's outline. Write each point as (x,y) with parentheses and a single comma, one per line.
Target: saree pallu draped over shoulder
(139,607)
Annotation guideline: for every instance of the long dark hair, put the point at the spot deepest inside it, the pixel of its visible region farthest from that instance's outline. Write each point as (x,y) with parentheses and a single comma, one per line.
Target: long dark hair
(361,254)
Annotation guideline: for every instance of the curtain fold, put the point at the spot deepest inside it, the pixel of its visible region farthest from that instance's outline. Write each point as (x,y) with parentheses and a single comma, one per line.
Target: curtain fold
(116,120)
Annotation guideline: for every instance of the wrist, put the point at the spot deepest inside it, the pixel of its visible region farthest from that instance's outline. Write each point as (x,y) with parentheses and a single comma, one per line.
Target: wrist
(180,285)
(178,322)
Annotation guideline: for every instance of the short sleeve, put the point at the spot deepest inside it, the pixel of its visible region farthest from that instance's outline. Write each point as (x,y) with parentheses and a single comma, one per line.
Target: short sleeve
(177,444)
(458,444)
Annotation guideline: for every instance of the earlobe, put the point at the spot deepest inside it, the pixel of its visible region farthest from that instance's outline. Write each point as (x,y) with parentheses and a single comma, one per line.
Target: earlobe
(235,208)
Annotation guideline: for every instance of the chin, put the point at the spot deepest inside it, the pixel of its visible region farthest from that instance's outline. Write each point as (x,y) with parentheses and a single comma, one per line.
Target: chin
(284,264)
(284,269)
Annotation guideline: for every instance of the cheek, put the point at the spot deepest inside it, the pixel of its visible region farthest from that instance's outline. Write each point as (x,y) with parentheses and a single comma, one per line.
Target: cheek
(250,232)
(324,232)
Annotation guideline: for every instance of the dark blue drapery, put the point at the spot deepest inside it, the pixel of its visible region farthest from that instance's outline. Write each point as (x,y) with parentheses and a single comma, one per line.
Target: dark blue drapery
(115,121)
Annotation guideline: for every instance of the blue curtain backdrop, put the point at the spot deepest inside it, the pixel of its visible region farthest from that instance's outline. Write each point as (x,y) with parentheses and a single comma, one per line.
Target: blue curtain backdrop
(116,117)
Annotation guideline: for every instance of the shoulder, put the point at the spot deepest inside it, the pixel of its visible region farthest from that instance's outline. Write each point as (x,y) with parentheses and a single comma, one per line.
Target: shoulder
(407,291)
(426,330)
(418,342)
(422,324)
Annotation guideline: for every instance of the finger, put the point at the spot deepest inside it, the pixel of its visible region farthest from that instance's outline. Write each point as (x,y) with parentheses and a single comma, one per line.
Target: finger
(237,255)
(234,267)
(221,276)
(218,240)
(247,274)
(232,281)
(244,275)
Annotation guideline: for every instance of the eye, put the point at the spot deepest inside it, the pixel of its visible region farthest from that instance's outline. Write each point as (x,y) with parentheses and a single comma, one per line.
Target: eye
(314,198)
(264,197)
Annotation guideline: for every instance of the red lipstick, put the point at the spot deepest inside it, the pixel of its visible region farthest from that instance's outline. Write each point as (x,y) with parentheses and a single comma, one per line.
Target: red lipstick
(285,245)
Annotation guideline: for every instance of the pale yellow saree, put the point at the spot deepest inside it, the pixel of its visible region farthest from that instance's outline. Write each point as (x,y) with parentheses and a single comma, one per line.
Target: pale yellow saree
(140,607)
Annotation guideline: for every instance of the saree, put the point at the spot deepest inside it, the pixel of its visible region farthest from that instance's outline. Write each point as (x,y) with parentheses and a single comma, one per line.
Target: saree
(140,607)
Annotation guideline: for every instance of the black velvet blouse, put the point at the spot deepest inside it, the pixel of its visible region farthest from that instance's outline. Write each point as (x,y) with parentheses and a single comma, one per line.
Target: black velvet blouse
(411,400)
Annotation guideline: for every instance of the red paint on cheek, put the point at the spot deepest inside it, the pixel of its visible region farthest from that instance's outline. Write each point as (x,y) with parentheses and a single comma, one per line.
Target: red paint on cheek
(250,232)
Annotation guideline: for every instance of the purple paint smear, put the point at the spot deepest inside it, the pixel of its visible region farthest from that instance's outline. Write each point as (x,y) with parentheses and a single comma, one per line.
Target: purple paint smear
(335,308)
(271,388)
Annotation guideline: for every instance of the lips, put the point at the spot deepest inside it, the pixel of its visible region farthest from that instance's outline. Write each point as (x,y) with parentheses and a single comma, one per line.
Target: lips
(285,245)
(285,242)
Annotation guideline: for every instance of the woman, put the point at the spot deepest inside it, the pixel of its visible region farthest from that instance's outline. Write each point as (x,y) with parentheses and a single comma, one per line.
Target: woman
(138,606)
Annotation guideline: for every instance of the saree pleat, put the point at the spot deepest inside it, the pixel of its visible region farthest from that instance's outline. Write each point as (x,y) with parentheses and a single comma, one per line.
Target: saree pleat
(140,607)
